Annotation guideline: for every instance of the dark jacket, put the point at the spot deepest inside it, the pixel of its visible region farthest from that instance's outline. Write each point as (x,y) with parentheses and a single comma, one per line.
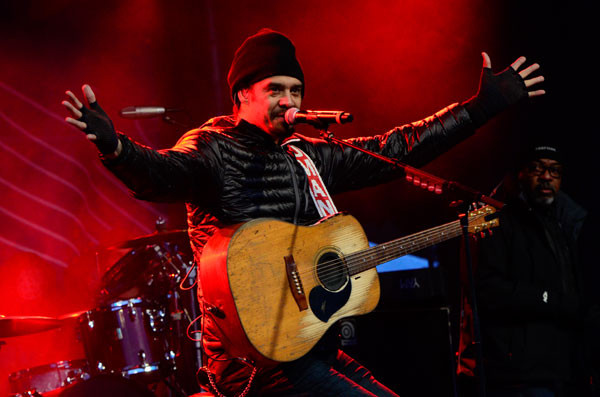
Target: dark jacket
(228,173)
(529,289)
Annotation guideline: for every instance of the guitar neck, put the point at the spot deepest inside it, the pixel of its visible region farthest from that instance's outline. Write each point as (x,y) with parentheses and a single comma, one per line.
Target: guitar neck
(367,259)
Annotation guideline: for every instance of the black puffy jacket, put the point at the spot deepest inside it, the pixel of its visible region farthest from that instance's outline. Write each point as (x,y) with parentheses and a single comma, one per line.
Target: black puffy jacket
(228,173)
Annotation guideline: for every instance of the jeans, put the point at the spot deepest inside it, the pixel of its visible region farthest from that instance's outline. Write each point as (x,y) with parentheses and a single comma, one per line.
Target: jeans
(318,373)
(334,374)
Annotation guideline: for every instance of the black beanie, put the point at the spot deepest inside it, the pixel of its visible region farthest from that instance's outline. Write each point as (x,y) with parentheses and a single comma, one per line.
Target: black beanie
(542,151)
(267,53)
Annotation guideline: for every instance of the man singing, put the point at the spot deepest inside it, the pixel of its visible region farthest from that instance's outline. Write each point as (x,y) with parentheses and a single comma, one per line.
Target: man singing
(241,167)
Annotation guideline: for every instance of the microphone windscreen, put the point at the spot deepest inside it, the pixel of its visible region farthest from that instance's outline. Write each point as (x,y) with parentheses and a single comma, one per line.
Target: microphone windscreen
(290,115)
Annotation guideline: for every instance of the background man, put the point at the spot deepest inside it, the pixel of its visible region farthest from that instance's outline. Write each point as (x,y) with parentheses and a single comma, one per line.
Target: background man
(235,168)
(530,287)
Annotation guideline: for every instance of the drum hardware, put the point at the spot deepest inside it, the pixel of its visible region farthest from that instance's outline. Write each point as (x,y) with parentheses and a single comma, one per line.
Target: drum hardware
(169,260)
(43,379)
(178,315)
(153,314)
(103,385)
(29,393)
(142,357)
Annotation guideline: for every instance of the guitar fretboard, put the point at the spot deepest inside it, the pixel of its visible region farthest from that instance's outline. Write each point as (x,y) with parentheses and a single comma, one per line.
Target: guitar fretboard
(364,260)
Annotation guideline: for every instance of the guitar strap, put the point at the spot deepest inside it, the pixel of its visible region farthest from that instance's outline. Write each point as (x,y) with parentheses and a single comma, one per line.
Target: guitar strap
(318,191)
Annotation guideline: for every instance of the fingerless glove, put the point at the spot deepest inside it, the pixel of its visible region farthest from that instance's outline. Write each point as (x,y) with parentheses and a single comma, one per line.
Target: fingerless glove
(99,124)
(496,92)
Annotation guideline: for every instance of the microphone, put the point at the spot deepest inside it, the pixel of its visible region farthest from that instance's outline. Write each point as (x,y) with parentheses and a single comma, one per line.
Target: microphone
(317,118)
(143,112)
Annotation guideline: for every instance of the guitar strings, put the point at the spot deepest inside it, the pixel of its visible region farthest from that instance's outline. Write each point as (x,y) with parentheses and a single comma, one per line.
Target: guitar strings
(417,242)
(362,260)
(354,260)
(331,269)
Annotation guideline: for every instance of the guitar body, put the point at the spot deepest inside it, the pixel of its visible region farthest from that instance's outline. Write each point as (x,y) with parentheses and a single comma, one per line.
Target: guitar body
(263,312)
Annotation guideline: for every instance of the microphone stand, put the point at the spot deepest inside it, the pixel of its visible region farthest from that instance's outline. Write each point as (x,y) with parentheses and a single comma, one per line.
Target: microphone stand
(418,177)
(438,185)
(463,210)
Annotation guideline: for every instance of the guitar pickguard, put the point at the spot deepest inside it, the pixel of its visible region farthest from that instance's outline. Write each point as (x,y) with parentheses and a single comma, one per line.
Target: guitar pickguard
(324,303)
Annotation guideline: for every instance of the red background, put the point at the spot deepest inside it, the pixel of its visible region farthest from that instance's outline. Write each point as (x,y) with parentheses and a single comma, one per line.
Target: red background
(386,62)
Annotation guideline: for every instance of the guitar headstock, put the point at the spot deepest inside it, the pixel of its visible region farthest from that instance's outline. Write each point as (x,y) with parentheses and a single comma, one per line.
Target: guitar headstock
(483,219)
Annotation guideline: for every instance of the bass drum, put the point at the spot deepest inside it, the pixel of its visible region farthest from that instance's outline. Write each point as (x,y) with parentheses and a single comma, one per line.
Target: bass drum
(46,378)
(127,337)
(103,386)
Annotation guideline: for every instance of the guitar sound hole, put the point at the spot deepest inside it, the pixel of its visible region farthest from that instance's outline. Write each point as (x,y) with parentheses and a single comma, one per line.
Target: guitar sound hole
(331,271)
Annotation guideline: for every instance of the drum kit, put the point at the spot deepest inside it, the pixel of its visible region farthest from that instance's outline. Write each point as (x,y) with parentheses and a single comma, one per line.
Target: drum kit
(138,340)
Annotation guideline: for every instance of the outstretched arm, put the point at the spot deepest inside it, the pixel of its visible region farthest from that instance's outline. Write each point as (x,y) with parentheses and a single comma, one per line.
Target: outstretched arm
(93,121)
(419,142)
(183,173)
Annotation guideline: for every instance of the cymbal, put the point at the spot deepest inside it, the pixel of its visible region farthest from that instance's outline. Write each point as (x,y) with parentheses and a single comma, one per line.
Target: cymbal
(24,325)
(71,316)
(171,236)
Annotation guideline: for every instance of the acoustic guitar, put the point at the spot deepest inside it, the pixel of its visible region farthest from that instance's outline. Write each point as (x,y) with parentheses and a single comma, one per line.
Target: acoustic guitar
(274,288)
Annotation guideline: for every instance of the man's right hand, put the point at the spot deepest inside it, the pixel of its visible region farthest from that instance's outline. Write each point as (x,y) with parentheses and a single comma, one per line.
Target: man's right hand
(93,121)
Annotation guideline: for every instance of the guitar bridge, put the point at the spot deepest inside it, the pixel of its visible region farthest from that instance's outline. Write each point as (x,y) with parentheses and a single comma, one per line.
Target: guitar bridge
(295,282)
